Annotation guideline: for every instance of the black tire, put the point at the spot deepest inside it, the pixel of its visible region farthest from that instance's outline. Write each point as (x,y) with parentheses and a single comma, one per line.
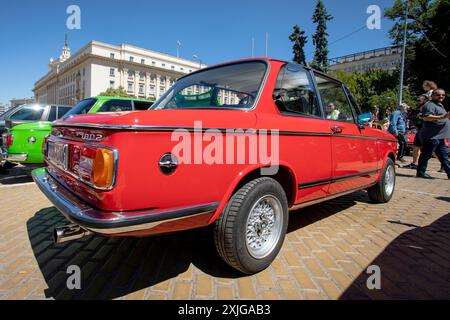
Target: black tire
(230,230)
(379,193)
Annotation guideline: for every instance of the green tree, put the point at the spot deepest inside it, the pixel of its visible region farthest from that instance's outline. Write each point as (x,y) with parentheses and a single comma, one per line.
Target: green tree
(373,83)
(320,38)
(299,40)
(118,92)
(418,14)
(428,43)
(386,101)
(431,59)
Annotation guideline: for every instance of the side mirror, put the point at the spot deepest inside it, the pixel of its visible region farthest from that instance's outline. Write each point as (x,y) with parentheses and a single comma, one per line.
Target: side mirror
(364,119)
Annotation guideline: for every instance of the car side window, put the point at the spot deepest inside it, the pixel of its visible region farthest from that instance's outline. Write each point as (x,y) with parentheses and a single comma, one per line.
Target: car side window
(142,105)
(334,98)
(62,111)
(116,105)
(294,92)
(52,115)
(31,113)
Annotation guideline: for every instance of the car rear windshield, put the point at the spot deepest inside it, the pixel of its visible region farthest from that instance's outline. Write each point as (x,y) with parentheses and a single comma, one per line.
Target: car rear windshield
(81,107)
(234,86)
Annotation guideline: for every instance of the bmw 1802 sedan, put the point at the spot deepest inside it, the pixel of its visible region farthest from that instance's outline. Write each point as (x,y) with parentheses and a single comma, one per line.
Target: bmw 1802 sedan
(237,145)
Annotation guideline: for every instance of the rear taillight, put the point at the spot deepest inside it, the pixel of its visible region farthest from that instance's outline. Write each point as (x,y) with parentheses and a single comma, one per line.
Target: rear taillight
(97,166)
(44,145)
(8,139)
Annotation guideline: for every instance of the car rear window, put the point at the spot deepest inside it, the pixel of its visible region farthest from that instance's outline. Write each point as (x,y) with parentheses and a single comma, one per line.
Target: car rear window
(81,107)
(116,105)
(142,105)
(29,113)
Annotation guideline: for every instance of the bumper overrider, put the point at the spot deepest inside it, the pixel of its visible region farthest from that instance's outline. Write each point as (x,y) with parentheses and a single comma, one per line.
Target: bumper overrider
(109,222)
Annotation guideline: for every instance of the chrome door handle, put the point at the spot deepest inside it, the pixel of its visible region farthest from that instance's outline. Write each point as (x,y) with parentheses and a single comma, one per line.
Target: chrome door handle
(337,129)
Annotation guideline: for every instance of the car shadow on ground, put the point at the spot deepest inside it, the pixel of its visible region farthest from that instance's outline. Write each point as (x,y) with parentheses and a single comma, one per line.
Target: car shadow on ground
(113,267)
(415,265)
(15,175)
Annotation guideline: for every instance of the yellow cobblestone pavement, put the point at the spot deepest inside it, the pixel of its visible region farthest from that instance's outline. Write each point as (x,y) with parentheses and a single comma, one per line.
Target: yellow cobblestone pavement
(325,255)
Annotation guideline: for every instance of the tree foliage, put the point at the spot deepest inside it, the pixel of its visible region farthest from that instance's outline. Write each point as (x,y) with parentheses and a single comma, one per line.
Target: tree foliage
(299,40)
(428,41)
(118,92)
(374,89)
(320,38)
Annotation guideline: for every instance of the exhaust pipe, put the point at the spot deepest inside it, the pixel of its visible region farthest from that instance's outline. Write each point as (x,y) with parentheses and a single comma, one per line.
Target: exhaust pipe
(69,232)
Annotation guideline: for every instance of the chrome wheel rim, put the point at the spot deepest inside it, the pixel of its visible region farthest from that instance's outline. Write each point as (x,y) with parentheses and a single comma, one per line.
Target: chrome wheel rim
(389,181)
(264,225)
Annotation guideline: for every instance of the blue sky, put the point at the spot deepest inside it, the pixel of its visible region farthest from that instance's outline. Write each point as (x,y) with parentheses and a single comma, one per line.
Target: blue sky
(33,31)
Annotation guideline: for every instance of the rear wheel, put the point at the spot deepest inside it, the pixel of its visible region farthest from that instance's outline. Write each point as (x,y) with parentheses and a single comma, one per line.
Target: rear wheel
(251,230)
(383,191)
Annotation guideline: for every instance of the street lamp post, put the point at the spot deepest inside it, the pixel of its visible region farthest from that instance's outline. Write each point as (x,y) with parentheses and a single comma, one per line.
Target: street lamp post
(402,68)
(178,48)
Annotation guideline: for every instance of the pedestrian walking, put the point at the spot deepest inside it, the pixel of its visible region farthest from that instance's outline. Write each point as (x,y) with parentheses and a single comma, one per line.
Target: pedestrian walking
(416,119)
(397,127)
(436,128)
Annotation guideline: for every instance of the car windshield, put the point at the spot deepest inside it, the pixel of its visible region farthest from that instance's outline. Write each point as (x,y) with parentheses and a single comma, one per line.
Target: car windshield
(230,86)
(81,107)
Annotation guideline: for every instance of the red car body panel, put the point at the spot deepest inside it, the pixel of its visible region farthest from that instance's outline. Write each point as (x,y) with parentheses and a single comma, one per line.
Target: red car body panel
(308,155)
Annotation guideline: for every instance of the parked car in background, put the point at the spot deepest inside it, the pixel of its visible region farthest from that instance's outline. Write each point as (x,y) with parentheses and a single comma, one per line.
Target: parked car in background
(409,138)
(23,143)
(2,120)
(124,174)
(21,115)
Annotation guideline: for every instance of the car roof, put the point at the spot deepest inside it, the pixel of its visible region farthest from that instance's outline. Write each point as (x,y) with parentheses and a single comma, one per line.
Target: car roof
(120,98)
(266,59)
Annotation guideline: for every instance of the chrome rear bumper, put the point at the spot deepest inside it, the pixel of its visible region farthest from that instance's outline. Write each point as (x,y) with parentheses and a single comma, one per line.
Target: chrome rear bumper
(108,222)
(15,157)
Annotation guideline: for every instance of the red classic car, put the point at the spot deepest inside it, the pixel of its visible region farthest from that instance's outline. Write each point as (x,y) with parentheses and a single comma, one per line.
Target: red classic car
(201,157)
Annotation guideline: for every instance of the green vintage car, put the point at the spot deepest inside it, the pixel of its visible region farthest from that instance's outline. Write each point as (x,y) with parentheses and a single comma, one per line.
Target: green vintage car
(23,143)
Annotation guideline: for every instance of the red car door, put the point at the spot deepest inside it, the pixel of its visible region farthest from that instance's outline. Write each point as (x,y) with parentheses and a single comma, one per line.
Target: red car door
(354,151)
(304,137)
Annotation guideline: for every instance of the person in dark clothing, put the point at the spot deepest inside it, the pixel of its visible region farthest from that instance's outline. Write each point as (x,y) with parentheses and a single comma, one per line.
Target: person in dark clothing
(436,128)
(417,123)
(397,127)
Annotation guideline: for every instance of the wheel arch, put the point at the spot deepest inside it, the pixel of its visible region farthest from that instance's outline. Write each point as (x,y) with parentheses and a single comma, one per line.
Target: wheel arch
(285,176)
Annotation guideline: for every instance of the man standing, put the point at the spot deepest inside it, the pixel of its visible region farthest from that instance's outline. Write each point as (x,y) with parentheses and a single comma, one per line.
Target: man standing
(418,123)
(397,127)
(435,130)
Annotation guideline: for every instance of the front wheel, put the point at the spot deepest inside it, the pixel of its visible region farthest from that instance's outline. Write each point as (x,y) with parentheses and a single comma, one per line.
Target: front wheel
(383,191)
(251,230)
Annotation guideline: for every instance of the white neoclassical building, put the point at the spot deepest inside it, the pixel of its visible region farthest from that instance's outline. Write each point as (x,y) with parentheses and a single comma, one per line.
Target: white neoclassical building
(99,66)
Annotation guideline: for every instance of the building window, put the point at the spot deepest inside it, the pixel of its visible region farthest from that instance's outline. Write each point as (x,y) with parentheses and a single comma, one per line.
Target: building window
(111,55)
(141,89)
(142,76)
(112,72)
(130,74)
(130,87)
(181,69)
(131,59)
(162,90)
(153,63)
(173,67)
(111,84)
(163,64)
(143,61)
